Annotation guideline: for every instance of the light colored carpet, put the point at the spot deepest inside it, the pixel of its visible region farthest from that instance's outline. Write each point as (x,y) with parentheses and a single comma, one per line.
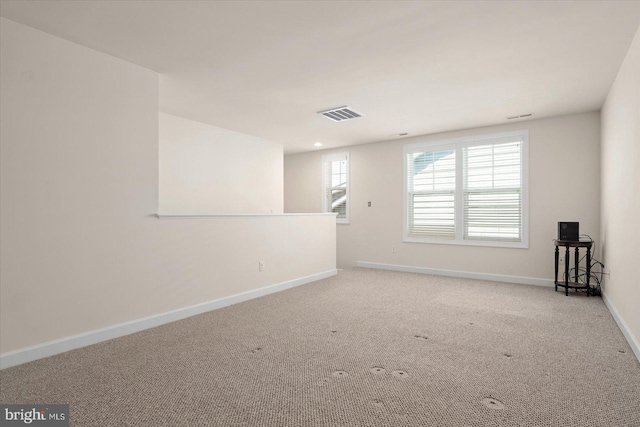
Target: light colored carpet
(364,348)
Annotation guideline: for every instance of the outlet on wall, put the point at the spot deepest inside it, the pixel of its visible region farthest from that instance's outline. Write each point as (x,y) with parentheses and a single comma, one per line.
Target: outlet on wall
(260,265)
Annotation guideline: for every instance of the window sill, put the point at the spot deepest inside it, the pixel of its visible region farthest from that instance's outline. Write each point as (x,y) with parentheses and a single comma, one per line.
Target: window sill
(486,243)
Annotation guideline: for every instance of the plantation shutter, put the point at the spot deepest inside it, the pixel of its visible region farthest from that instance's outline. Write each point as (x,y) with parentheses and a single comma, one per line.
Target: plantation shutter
(492,191)
(431,185)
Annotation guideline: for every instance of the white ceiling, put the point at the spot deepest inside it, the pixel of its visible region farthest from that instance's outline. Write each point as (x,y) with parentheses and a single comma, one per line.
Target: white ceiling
(265,68)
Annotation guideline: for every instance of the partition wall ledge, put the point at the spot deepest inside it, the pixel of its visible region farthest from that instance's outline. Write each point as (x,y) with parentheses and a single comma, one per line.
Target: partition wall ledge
(204,216)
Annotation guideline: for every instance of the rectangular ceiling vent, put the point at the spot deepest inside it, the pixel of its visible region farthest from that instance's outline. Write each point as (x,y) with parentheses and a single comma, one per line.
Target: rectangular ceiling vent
(521,116)
(341,114)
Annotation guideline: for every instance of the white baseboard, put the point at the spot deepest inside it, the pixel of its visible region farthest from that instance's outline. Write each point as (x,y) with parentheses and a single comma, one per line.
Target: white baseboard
(18,357)
(633,343)
(455,273)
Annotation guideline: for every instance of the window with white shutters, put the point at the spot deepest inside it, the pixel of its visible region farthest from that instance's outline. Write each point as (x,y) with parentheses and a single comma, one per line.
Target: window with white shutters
(431,194)
(335,185)
(469,190)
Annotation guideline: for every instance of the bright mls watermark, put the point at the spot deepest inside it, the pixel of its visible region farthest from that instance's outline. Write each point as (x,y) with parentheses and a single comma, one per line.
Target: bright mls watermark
(36,415)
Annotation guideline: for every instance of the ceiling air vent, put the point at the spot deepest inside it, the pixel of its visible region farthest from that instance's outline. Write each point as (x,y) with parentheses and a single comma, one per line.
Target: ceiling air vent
(341,114)
(521,116)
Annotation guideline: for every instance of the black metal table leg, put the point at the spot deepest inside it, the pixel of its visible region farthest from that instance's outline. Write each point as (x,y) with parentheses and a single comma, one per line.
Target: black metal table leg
(556,271)
(588,269)
(566,271)
(576,261)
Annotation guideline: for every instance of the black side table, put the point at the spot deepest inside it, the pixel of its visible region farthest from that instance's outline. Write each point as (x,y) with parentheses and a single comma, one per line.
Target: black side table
(566,283)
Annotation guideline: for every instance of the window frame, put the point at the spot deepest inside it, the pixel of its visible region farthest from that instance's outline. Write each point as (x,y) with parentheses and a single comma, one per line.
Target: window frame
(459,144)
(332,157)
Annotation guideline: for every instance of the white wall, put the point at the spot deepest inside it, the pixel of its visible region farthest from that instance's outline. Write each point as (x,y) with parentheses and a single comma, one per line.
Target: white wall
(78,177)
(621,192)
(81,248)
(563,186)
(205,169)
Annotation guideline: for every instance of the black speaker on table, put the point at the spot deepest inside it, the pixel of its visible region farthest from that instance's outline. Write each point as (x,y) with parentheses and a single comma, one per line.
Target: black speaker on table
(569,231)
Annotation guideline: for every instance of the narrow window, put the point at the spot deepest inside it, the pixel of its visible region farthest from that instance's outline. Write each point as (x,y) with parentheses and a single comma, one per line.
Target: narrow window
(335,185)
